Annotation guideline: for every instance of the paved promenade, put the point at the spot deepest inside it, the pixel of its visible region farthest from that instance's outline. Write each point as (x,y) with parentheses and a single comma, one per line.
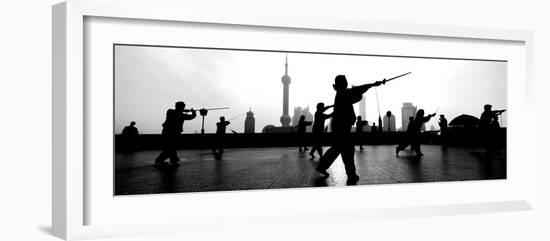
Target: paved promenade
(268,168)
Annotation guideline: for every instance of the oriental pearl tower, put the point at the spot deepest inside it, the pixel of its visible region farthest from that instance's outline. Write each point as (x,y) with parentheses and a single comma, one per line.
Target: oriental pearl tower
(285,118)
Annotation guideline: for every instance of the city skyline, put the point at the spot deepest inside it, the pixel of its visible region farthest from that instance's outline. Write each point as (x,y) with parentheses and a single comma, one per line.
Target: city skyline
(153,79)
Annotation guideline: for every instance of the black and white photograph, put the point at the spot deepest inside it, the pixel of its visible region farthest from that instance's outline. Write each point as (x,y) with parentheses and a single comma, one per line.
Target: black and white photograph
(275,120)
(192,119)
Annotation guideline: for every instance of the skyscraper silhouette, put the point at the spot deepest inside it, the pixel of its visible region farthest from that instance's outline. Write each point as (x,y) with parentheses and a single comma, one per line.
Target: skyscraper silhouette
(388,122)
(363,108)
(408,110)
(296,116)
(309,117)
(249,122)
(285,118)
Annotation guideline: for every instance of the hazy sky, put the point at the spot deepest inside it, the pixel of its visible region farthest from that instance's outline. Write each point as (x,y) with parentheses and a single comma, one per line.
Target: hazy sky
(149,80)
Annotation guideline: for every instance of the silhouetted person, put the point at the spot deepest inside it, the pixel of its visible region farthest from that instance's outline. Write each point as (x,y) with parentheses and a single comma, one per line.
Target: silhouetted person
(409,137)
(343,118)
(129,137)
(220,133)
(221,126)
(487,125)
(486,117)
(171,130)
(414,133)
(442,125)
(359,125)
(302,125)
(489,116)
(373,128)
(411,122)
(319,128)
(443,129)
(131,130)
(388,117)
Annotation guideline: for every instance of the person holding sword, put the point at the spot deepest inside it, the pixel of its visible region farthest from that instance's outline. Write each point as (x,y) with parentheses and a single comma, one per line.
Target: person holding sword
(414,133)
(171,131)
(220,135)
(343,118)
(488,124)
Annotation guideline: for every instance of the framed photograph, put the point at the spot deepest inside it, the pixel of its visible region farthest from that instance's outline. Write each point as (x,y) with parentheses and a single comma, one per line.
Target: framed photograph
(168,120)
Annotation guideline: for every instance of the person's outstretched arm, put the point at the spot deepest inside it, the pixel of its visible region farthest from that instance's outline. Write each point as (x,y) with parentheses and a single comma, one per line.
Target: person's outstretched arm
(328,107)
(363,88)
(427,118)
(190,117)
(358,91)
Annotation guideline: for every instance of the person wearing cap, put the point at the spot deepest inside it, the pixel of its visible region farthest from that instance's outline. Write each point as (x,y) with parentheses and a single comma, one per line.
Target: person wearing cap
(171,130)
(486,117)
(488,121)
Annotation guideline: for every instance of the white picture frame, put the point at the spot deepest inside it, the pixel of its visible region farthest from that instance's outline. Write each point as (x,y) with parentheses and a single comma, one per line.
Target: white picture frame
(71,190)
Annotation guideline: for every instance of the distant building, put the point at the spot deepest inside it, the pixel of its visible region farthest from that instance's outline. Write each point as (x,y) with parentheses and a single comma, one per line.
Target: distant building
(249,122)
(309,117)
(296,117)
(363,114)
(285,118)
(379,124)
(388,122)
(363,108)
(407,111)
(299,111)
(432,128)
(277,129)
(268,129)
